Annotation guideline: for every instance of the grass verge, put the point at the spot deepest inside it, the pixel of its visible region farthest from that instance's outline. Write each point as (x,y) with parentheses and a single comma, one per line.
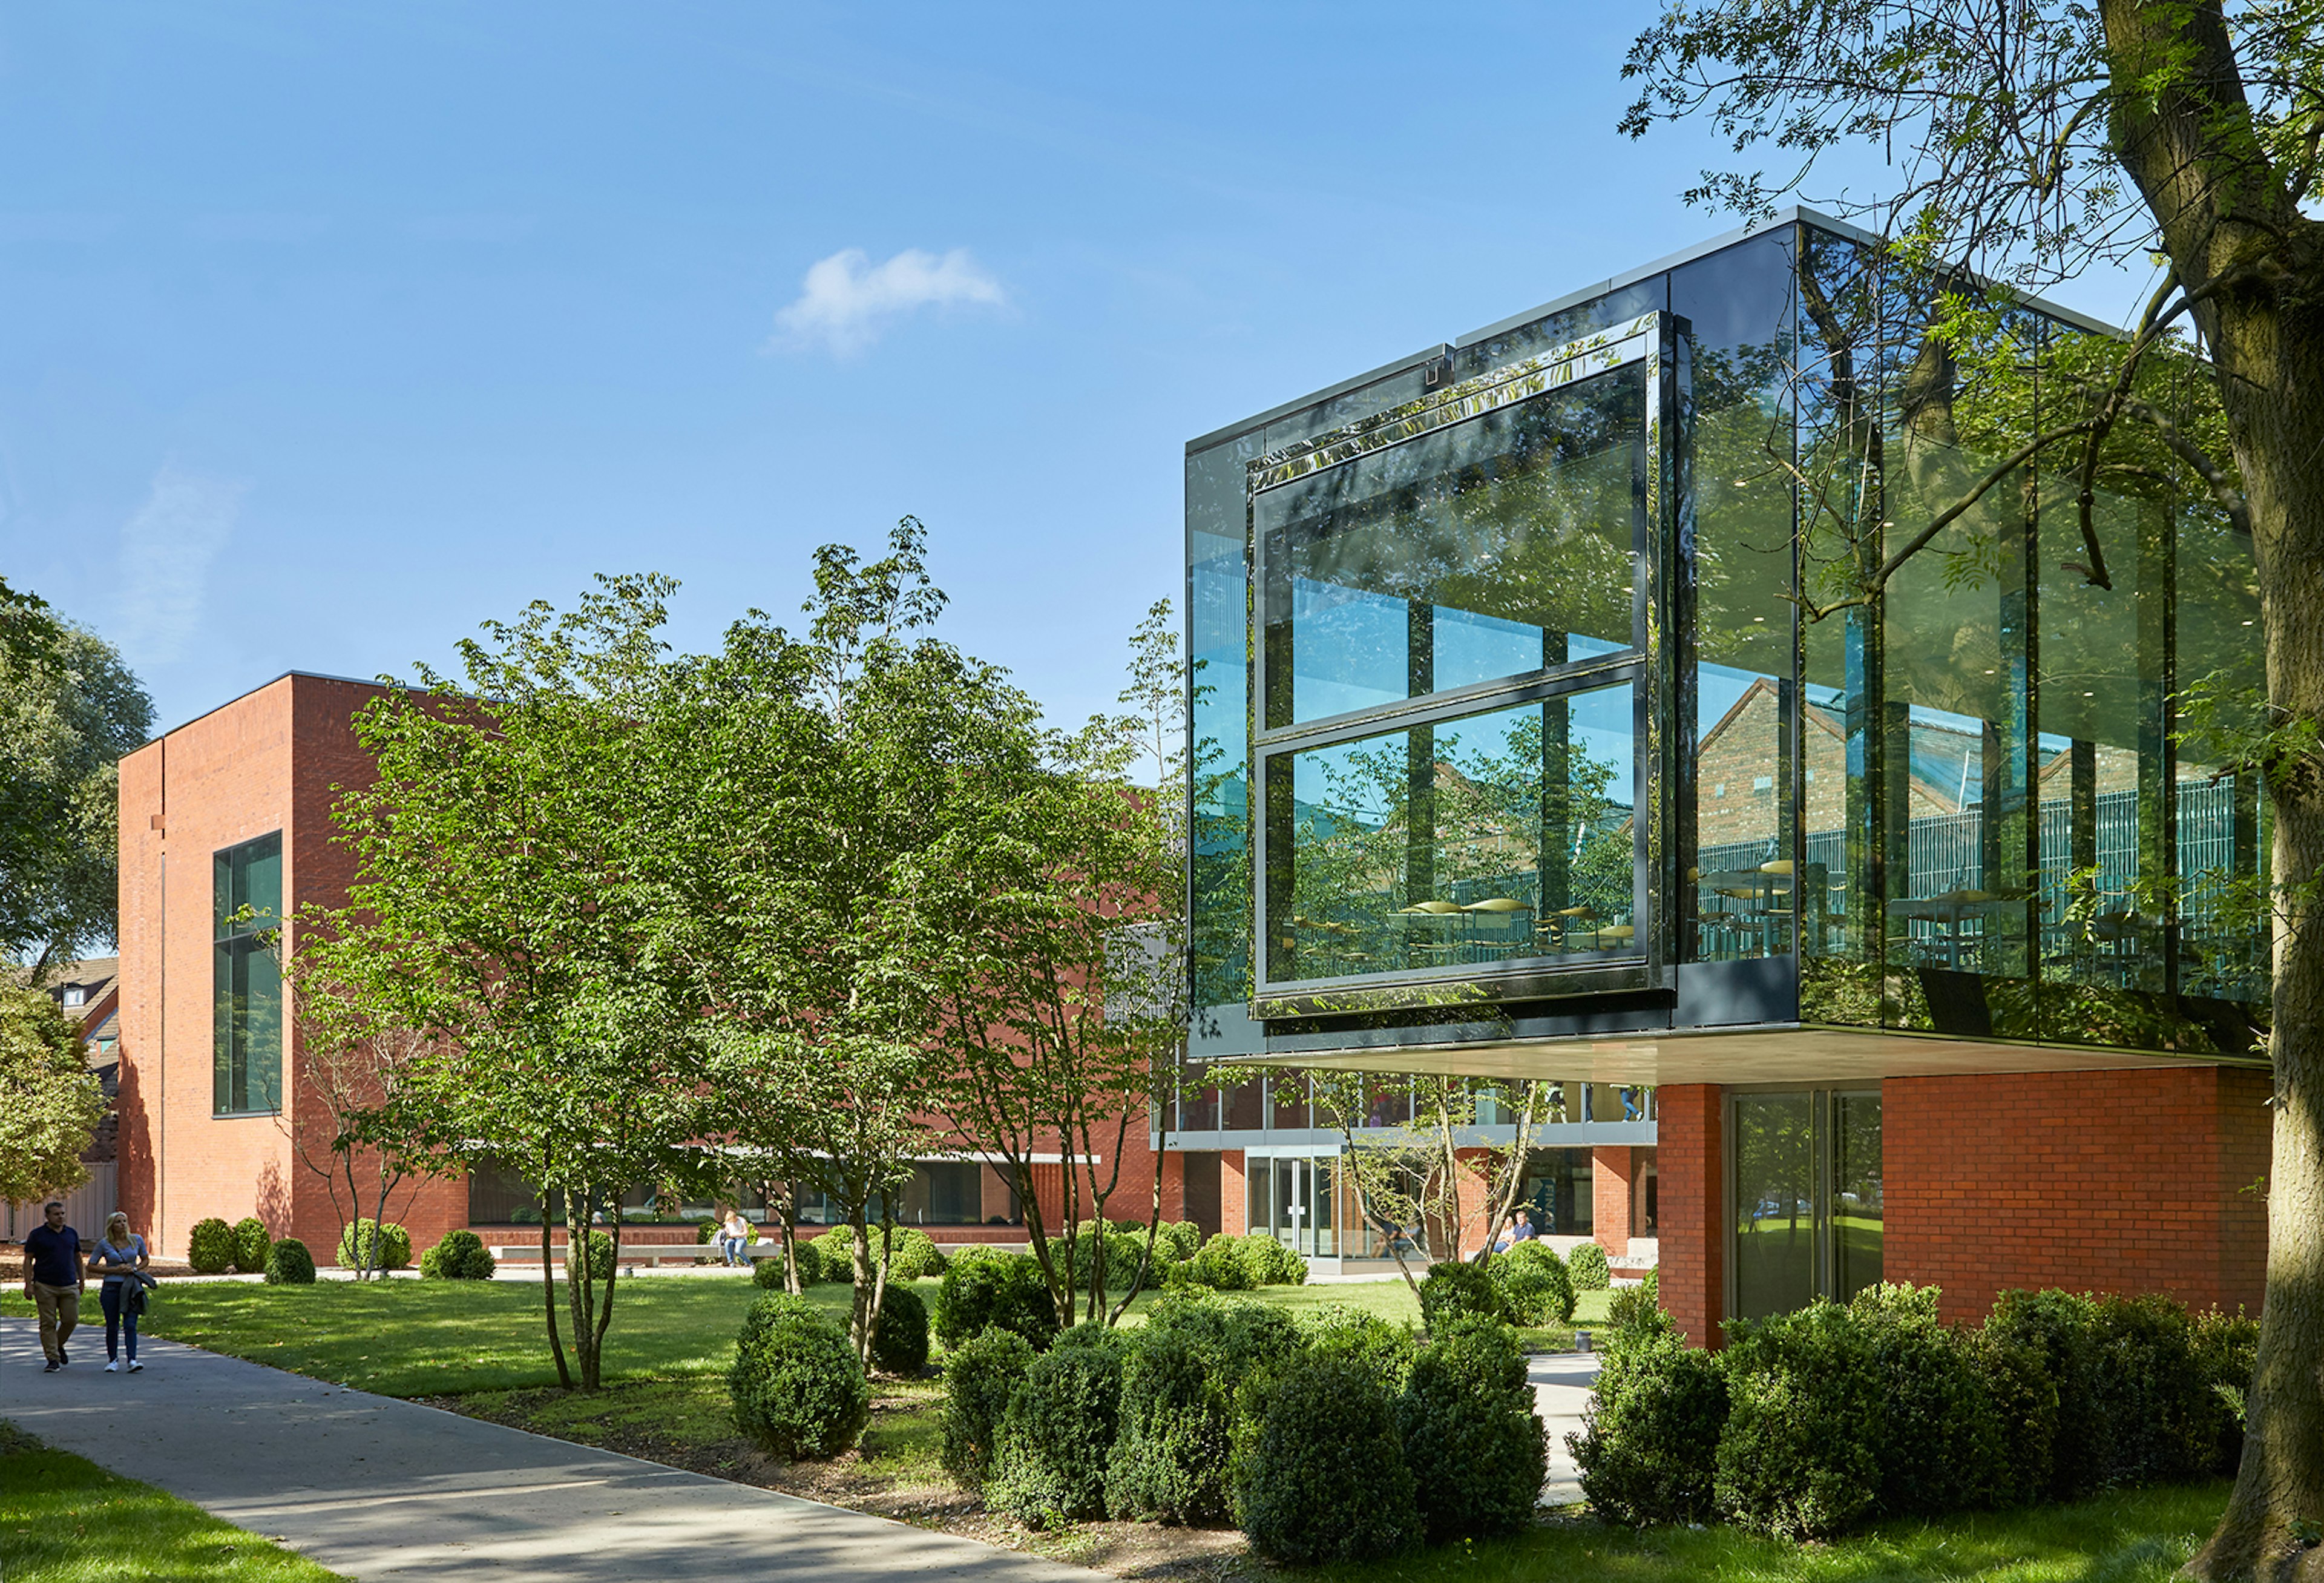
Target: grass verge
(455,1338)
(65,1520)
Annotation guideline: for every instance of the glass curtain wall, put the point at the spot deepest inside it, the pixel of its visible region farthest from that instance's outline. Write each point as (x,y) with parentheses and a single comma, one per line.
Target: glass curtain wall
(1497,551)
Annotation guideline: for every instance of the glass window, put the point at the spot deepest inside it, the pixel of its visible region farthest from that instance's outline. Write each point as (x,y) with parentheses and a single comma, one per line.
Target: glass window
(1560,1190)
(246,988)
(1501,837)
(1218,623)
(1808,1206)
(1774,1204)
(1488,547)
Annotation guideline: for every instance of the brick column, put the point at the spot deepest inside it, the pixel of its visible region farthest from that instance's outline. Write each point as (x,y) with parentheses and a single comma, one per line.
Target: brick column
(1232,1214)
(1692,1208)
(1613,1174)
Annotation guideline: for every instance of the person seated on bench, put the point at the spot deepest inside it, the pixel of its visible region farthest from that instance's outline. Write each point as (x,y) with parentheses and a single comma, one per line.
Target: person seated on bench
(735,1237)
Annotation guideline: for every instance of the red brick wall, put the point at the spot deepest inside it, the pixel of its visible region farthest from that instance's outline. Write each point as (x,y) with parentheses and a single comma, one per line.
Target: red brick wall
(223,779)
(1613,1176)
(1692,1258)
(2121,1181)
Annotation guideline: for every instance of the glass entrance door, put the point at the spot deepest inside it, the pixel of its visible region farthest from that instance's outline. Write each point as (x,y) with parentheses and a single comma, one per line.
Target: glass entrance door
(1807,1200)
(1291,1200)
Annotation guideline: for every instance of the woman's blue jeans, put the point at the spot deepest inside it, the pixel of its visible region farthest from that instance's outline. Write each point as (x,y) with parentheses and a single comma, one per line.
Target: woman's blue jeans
(110,1297)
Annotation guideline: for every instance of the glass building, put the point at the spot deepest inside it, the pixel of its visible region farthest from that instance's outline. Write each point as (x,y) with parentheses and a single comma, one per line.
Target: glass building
(1542,728)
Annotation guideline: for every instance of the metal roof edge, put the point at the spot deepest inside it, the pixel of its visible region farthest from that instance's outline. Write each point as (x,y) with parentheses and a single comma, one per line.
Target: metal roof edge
(1259,420)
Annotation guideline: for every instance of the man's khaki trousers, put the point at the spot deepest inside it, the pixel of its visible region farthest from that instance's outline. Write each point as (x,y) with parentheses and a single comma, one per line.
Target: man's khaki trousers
(60,1309)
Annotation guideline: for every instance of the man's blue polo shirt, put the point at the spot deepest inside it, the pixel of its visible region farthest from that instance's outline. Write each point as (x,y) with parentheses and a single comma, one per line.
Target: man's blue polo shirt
(55,1255)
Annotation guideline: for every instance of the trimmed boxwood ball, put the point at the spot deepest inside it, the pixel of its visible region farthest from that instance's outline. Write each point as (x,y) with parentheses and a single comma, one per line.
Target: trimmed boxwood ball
(1471,1436)
(899,1343)
(1220,1264)
(1271,1264)
(209,1247)
(289,1264)
(1050,1464)
(251,1244)
(1942,1448)
(767,1274)
(1454,1288)
(1534,1287)
(394,1245)
(917,1255)
(1648,1451)
(1587,1264)
(462,1255)
(1319,1474)
(597,1249)
(981,1373)
(986,1288)
(797,1386)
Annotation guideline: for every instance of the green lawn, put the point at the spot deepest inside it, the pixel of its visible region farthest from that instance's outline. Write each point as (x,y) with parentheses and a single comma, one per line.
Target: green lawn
(65,1520)
(451,1337)
(2125,1537)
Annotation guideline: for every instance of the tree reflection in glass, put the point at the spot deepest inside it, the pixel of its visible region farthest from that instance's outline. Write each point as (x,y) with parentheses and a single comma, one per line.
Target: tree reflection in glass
(1499,837)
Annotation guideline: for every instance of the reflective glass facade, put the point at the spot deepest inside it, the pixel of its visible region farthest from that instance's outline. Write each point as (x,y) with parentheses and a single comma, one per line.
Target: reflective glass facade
(1531,688)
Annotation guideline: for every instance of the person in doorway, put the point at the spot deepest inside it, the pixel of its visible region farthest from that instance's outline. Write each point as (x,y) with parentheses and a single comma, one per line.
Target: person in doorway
(121,1258)
(54,1279)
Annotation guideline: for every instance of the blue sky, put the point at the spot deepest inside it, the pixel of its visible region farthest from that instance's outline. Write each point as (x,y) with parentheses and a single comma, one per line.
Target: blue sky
(330,332)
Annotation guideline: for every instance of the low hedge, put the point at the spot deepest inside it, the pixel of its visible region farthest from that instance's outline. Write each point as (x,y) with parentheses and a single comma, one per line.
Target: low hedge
(797,1386)
(595,1253)
(209,1247)
(1814,1422)
(1337,1330)
(289,1264)
(1220,1264)
(462,1255)
(987,1289)
(251,1245)
(768,1275)
(1184,1376)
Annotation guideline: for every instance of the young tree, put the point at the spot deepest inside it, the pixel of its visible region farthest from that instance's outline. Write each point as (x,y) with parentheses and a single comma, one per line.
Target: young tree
(50,1101)
(1065,1016)
(506,910)
(68,709)
(808,790)
(349,1079)
(2037,141)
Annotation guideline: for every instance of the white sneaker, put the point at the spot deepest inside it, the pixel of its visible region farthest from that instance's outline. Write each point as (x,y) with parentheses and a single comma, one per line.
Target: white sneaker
(134,1367)
(114,1367)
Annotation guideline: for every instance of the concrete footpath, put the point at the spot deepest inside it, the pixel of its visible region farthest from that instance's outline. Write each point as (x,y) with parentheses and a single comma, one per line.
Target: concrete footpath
(378,1488)
(1562,1386)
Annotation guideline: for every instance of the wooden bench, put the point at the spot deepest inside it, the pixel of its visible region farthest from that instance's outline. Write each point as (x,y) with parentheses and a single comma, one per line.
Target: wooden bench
(633,1254)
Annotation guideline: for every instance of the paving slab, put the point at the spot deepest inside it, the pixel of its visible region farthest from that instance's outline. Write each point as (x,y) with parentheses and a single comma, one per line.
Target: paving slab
(380,1488)
(1563,1384)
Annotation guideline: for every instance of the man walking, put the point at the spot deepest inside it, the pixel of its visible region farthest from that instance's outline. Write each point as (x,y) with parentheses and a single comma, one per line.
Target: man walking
(53,1277)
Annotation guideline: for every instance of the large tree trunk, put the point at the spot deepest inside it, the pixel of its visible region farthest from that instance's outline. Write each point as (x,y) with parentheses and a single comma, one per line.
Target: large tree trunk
(2236,236)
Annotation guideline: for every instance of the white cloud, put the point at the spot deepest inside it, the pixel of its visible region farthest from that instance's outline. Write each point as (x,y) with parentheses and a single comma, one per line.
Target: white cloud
(846,300)
(166,550)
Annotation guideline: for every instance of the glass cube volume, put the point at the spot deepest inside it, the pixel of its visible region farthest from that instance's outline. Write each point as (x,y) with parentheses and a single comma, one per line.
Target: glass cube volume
(1531,702)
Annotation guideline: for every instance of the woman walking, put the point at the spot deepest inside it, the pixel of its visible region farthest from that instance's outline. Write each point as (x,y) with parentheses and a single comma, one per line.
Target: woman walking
(121,1258)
